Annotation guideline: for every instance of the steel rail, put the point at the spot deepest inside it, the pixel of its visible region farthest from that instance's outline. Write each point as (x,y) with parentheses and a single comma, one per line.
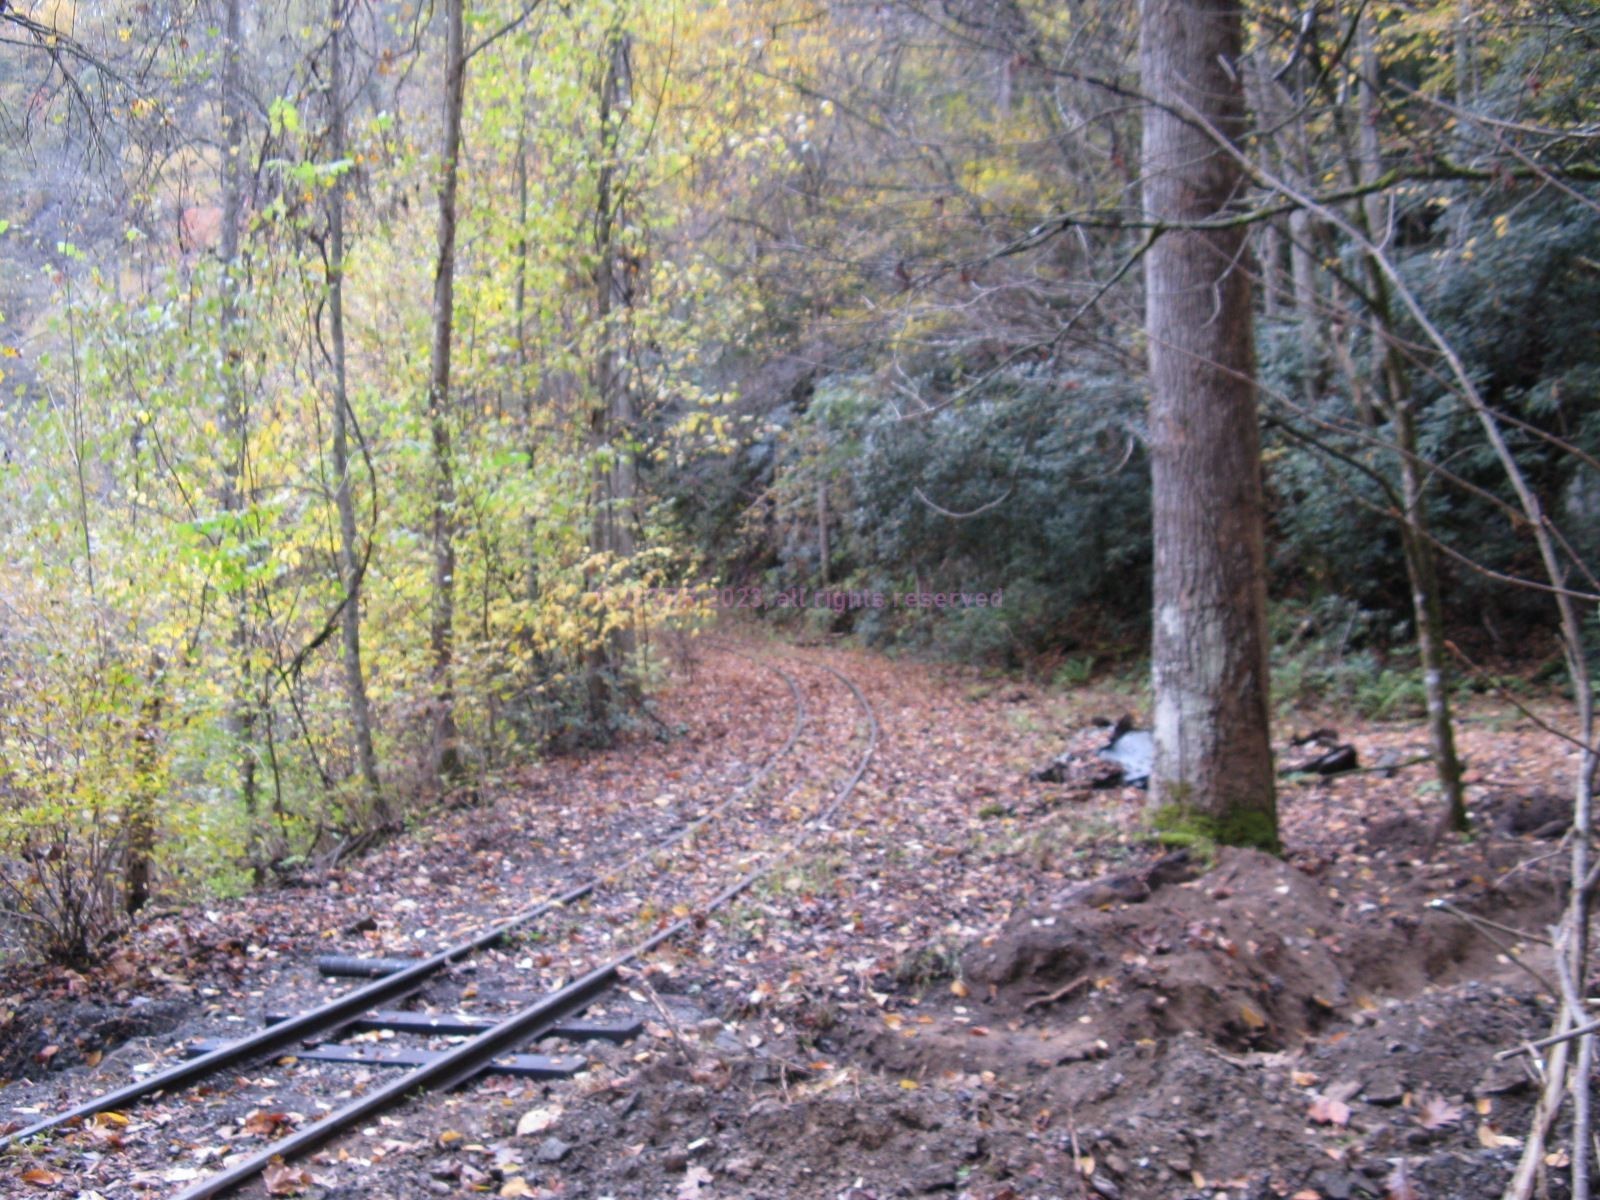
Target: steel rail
(465,1061)
(274,1037)
(344,1008)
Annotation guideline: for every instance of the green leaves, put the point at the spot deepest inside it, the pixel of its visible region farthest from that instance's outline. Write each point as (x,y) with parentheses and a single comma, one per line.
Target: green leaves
(283,117)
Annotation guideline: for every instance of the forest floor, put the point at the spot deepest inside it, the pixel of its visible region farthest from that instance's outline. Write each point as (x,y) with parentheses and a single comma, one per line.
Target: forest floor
(974,984)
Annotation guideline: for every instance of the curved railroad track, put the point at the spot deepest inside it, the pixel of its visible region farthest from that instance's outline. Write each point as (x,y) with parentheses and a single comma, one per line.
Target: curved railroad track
(611,920)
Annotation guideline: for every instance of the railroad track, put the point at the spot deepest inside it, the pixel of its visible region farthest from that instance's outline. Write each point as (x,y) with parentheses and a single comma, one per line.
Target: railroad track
(612,920)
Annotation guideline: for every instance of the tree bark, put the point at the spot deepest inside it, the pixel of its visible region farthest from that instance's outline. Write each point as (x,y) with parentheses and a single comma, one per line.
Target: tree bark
(350,566)
(236,420)
(611,420)
(1213,771)
(144,793)
(447,761)
(1389,367)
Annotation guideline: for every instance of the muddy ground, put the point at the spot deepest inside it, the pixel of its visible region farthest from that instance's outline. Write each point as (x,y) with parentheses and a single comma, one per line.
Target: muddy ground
(975,984)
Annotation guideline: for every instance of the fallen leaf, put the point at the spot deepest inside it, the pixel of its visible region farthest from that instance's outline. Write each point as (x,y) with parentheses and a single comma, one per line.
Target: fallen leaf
(1437,1112)
(39,1177)
(958,988)
(283,1180)
(1399,1184)
(537,1120)
(264,1124)
(517,1186)
(1491,1138)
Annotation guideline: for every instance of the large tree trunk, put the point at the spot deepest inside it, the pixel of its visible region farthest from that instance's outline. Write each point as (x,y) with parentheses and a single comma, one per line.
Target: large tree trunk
(1213,770)
(441,632)
(350,566)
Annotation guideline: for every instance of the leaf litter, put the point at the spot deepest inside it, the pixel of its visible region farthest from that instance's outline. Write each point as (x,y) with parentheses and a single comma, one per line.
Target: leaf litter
(973,982)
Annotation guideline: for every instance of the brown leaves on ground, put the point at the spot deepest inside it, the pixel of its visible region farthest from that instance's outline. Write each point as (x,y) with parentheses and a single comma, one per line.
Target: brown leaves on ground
(284,1179)
(1435,1112)
(946,843)
(267,1124)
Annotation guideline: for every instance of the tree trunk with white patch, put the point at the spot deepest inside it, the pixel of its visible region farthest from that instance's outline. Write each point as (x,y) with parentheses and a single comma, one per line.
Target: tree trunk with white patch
(1213,770)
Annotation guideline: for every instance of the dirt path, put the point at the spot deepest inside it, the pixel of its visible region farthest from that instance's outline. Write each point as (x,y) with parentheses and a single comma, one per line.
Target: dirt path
(976,984)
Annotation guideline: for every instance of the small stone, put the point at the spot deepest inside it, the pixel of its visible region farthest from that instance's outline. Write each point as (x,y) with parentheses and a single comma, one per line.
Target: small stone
(1343,1090)
(1126,888)
(1104,1187)
(935,1179)
(675,1160)
(1385,1088)
(1502,1078)
(1334,1185)
(553,1150)
(1174,868)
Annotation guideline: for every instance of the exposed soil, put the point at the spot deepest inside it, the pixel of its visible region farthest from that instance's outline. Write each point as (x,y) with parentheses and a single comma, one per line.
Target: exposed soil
(974,984)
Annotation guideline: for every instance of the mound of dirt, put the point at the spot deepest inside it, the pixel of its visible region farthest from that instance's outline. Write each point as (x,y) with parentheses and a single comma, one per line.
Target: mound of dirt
(1256,954)
(50,1035)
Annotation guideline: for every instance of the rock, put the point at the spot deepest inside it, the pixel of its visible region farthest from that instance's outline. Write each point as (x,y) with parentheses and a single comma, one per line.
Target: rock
(935,1179)
(1333,762)
(1174,868)
(1386,1088)
(1126,888)
(1104,1187)
(1334,1185)
(553,1150)
(1343,1090)
(1502,1078)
